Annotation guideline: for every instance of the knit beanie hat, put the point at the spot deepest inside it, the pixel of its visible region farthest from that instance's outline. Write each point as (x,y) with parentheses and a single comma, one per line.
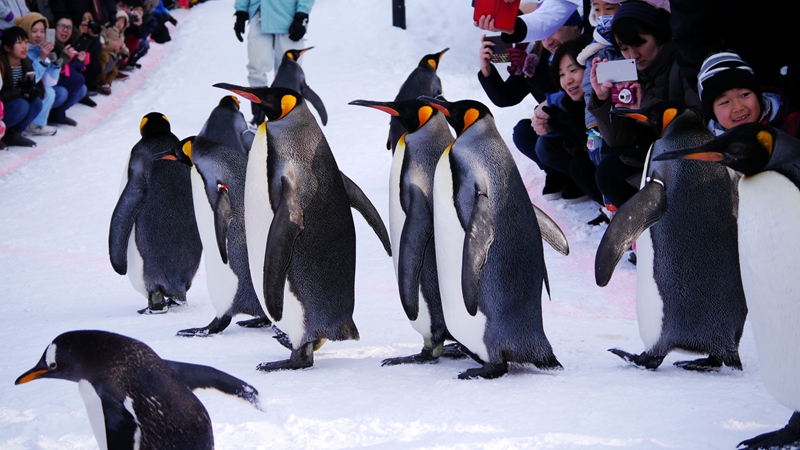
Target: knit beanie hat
(720,72)
(27,21)
(656,18)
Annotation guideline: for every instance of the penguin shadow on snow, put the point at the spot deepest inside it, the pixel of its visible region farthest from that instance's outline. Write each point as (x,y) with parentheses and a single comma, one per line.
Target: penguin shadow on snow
(135,399)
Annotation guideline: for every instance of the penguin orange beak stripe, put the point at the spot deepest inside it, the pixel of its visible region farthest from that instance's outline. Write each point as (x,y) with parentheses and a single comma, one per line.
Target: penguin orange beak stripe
(386,109)
(247,95)
(169,157)
(639,117)
(441,108)
(705,156)
(30,376)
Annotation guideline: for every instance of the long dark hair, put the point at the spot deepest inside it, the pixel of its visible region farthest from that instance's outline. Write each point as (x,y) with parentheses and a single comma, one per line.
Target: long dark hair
(571,49)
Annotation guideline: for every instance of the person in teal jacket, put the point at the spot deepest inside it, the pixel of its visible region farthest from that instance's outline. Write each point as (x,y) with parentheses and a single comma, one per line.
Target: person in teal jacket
(275,27)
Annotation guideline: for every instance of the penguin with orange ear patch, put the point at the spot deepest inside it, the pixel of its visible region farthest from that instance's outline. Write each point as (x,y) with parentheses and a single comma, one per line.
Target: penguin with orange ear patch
(489,250)
(423,80)
(290,75)
(310,254)
(153,235)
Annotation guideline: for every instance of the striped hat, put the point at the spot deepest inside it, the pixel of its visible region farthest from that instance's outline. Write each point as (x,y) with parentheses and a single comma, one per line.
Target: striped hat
(720,72)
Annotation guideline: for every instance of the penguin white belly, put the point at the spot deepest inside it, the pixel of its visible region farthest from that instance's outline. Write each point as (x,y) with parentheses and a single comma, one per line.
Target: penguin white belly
(397,216)
(294,317)
(222,282)
(769,211)
(94,409)
(397,219)
(449,236)
(649,304)
(257,212)
(136,265)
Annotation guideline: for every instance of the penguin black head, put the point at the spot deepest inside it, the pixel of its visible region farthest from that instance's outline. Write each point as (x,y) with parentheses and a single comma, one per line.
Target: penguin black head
(461,114)
(75,356)
(412,114)
(276,102)
(657,116)
(182,152)
(230,100)
(294,55)
(154,124)
(433,59)
(746,148)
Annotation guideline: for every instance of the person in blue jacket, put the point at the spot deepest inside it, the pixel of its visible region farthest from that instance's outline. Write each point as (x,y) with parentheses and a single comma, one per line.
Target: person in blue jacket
(47,67)
(275,27)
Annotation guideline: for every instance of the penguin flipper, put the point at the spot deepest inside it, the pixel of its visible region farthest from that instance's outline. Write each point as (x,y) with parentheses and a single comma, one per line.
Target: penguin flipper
(413,245)
(222,219)
(120,425)
(197,376)
(287,224)
(639,213)
(360,202)
(315,101)
(551,232)
(124,216)
(477,241)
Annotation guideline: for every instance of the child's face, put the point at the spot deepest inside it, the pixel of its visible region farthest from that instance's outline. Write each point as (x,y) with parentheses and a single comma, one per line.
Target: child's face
(37,33)
(601,8)
(121,24)
(644,53)
(737,106)
(20,49)
(570,76)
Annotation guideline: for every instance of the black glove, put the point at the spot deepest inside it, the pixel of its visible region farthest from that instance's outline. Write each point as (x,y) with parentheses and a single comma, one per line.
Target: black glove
(27,88)
(174,22)
(298,27)
(238,27)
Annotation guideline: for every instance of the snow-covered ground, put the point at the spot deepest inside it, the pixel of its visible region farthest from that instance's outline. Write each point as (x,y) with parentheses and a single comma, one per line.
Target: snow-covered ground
(56,202)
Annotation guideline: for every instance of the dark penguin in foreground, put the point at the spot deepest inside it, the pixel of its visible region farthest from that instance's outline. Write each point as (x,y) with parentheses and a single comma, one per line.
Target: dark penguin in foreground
(218,180)
(423,80)
(310,255)
(226,124)
(290,75)
(689,292)
(769,251)
(489,251)
(153,235)
(135,399)
(411,222)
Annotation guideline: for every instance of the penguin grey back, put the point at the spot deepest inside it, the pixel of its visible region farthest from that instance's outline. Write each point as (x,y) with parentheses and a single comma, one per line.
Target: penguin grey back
(227,125)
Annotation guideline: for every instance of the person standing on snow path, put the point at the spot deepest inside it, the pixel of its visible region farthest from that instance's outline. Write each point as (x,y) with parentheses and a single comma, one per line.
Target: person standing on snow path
(275,27)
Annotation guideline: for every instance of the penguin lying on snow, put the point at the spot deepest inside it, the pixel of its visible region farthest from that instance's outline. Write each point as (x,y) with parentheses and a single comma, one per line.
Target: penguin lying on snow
(489,251)
(769,251)
(689,292)
(421,81)
(411,222)
(135,399)
(153,235)
(310,255)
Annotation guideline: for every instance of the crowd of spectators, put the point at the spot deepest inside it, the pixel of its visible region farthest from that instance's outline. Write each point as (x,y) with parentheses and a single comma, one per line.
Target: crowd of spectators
(58,54)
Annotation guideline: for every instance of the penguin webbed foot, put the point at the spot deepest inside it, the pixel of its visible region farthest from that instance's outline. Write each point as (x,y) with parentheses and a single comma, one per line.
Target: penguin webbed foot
(216,326)
(425,356)
(455,351)
(786,437)
(488,371)
(158,304)
(282,337)
(710,364)
(301,358)
(642,360)
(258,322)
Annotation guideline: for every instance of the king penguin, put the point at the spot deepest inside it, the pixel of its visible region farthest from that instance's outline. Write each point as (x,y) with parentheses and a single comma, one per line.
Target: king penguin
(218,184)
(769,211)
(135,399)
(689,291)
(489,251)
(226,124)
(153,235)
(414,161)
(310,254)
(290,75)
(423,80)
